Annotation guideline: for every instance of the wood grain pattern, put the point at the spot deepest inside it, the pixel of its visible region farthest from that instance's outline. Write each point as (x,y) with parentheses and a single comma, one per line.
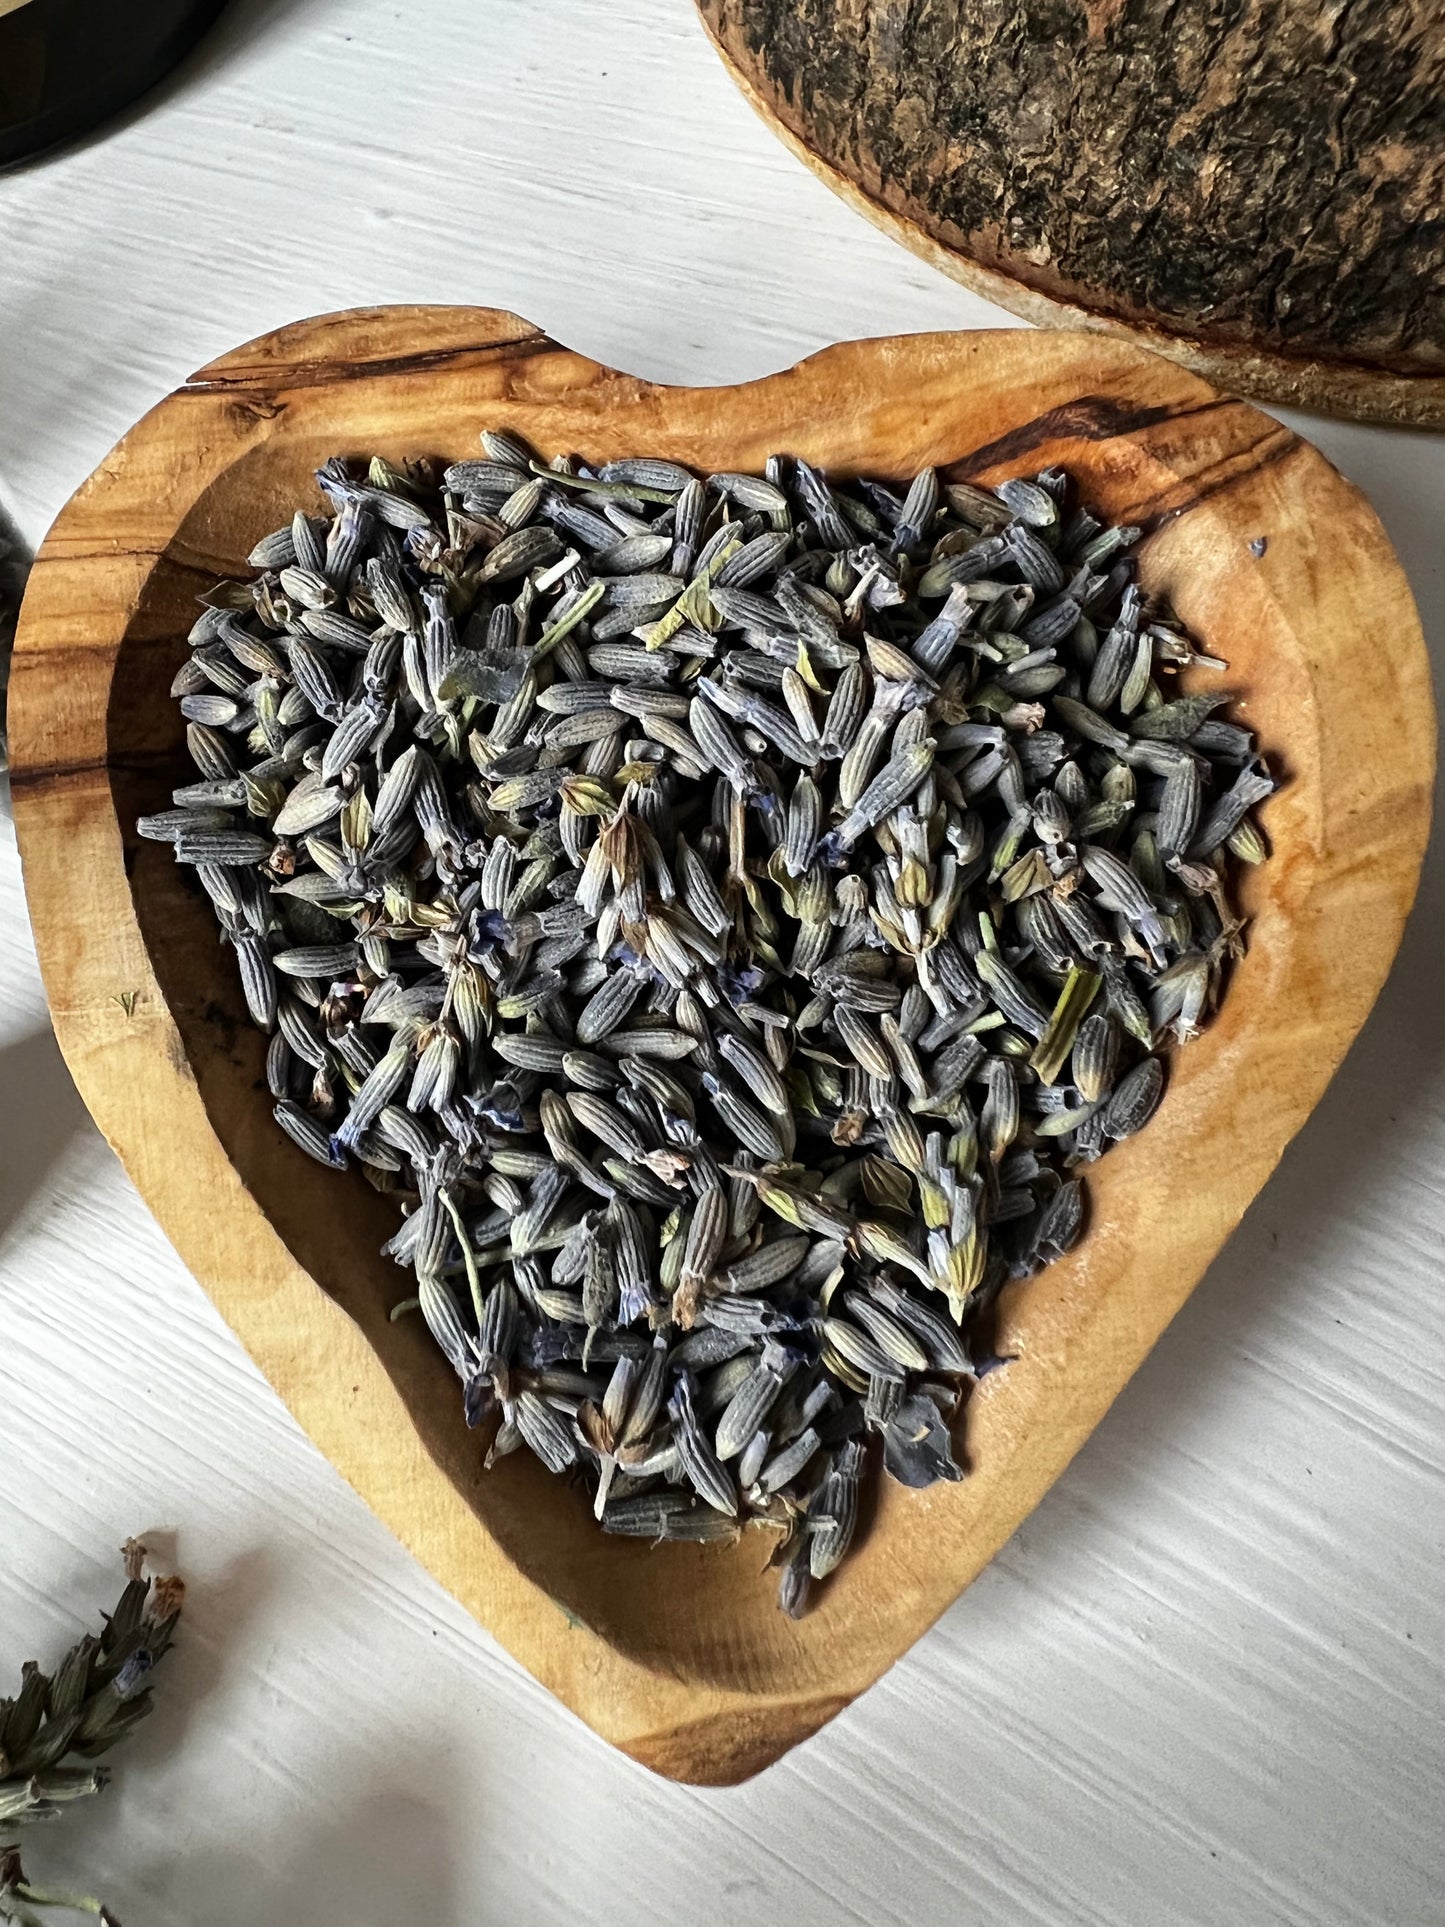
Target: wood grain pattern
(1253,190)
(680,1657)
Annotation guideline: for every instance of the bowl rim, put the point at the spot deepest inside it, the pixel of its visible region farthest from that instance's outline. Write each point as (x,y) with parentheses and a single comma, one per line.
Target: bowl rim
(1354,844)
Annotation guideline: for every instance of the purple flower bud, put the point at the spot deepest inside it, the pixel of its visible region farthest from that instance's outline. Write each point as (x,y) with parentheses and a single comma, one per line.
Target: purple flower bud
(133,1675)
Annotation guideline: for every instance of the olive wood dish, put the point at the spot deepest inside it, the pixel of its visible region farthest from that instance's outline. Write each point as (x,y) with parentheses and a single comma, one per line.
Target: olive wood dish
(680,1656)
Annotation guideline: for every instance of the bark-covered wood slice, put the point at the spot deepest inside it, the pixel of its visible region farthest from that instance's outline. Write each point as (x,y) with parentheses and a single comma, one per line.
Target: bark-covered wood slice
(1255,189)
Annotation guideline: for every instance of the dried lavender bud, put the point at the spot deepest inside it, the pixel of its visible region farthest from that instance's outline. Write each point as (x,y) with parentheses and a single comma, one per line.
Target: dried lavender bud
(726,912)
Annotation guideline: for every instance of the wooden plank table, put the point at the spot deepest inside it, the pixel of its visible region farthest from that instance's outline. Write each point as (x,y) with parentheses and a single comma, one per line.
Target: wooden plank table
(1202,1685)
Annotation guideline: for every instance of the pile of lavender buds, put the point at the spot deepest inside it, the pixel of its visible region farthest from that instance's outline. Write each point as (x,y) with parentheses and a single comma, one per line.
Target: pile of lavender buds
(727,913)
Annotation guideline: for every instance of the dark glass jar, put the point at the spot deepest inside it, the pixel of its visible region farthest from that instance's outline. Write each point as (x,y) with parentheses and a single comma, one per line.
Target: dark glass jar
(67,65)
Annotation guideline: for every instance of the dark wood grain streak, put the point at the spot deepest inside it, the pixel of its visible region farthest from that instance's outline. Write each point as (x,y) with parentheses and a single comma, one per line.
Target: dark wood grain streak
(1271,448)
(1091,418)
(1086,420)
(277,380)
(43,777)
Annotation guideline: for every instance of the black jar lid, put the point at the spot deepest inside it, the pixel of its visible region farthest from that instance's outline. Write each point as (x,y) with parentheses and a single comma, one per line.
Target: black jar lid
(66,66)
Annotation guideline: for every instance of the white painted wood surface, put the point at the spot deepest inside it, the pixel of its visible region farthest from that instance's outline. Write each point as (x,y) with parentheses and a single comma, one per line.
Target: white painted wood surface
(1204,1683)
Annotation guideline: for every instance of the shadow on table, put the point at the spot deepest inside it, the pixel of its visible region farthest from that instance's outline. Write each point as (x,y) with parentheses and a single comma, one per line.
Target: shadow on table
(375,1841)
(240,25)
(387,1855)
(40,1114)
(371,1843)
(15,560)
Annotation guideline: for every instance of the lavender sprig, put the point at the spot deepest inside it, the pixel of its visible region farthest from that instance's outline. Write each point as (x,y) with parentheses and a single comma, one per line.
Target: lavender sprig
(98,1693)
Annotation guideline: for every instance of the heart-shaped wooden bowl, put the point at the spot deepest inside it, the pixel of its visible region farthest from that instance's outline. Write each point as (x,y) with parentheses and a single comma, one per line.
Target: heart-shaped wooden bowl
(680,1656)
